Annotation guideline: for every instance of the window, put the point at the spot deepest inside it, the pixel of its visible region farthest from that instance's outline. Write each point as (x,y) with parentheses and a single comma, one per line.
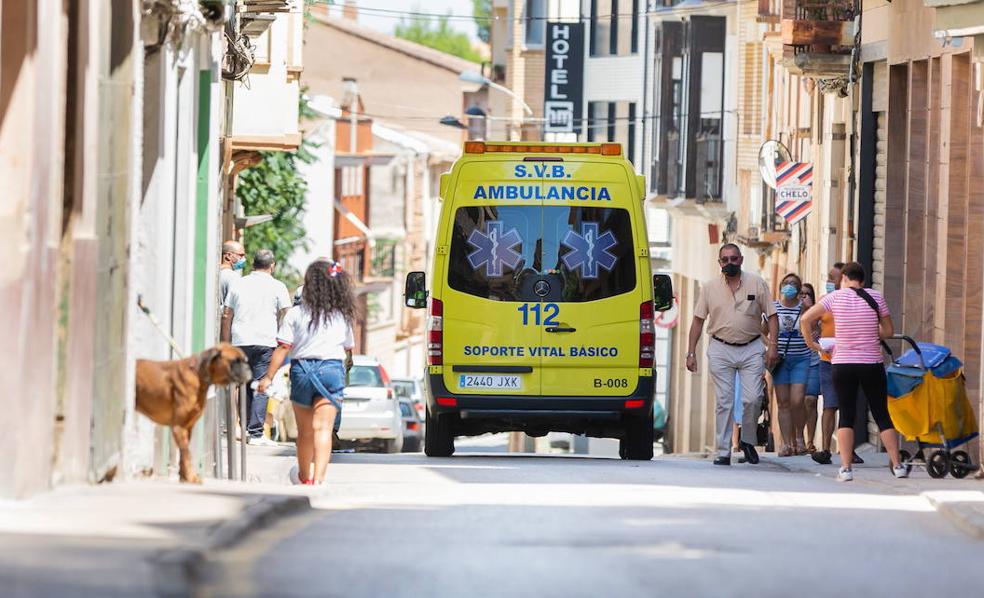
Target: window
(597,121)
(600,27)
(535,21)
(540,249)
(613,121)
(351,181)
(614,27)
(365,375)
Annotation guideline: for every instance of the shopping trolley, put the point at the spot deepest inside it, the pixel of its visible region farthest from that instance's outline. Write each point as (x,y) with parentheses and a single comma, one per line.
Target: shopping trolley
(927,399)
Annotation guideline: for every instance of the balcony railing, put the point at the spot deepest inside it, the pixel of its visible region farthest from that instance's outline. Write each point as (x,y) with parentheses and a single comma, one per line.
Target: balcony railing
(351,254)
(383,262)
(709,161)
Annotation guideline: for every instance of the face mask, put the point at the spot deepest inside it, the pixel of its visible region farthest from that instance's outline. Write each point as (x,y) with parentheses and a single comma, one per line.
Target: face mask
(731,269)
(239,265)
(789,291)
(831,287)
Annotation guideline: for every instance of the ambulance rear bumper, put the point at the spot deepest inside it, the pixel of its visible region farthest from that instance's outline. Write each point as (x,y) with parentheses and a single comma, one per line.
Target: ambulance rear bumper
(471,406)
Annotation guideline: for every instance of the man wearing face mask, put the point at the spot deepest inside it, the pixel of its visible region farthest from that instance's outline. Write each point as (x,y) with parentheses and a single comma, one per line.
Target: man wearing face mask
(231,267)
(734,305)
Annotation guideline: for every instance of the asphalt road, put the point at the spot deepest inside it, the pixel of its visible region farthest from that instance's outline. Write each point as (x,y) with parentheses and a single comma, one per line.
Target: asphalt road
(487,524)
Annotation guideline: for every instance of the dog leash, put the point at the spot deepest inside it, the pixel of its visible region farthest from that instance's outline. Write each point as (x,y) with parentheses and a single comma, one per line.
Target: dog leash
(153,320)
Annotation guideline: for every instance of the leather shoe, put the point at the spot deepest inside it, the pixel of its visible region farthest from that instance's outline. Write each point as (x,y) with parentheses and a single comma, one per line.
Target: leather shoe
(751,455)
(857,460)
(822,457)
(722,461)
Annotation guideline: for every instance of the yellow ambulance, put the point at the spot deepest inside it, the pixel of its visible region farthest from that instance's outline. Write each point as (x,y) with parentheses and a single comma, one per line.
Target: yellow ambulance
(542,300)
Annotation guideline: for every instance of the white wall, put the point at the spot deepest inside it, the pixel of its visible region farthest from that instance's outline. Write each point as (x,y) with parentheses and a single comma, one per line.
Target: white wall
(319,211)
(266,103)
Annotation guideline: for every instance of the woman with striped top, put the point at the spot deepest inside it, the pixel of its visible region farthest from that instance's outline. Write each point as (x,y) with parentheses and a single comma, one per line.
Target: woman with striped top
(862,321)
(790,376)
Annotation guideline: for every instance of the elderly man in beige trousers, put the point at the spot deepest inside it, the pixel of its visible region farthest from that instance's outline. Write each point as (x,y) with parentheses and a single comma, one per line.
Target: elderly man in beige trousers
(734,305)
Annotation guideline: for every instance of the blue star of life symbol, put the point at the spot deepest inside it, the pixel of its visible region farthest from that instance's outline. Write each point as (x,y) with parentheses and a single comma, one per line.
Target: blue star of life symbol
(494,248)
(589,251)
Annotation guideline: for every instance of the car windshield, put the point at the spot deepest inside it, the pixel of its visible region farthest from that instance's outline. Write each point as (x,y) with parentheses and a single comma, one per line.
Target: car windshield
(533,253)
(365,375)
(403,388)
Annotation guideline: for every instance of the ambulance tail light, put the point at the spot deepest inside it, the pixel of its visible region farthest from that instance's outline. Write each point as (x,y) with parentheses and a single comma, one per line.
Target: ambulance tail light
(435,334)
(647,335)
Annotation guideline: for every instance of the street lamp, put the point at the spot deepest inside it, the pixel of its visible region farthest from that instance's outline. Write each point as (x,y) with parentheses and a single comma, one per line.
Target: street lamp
(479,79)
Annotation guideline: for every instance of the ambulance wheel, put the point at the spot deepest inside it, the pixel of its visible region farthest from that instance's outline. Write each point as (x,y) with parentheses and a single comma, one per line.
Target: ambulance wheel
(637,443)
(960,464)
(938,465)
(438,436)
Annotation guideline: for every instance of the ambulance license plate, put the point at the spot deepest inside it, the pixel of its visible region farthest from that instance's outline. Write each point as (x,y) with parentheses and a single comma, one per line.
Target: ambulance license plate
(490,381)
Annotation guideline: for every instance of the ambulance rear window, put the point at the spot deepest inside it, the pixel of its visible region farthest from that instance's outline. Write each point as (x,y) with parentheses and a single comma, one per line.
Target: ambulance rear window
(533,253)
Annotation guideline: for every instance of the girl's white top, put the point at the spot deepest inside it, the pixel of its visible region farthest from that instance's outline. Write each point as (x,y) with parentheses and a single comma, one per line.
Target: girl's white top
(328,340)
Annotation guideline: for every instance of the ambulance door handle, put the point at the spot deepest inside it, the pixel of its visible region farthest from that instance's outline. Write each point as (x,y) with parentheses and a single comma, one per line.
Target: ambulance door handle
(559,329)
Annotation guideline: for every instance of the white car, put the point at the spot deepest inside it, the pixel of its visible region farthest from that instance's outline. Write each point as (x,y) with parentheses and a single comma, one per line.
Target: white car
(370,410)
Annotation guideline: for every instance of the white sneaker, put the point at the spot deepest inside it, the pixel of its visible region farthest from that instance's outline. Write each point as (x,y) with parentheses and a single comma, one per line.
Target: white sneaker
(900,471)
(261,441)
(845,475)
(294,476)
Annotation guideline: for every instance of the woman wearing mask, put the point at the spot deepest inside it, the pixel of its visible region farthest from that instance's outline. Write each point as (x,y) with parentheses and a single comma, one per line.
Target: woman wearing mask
(317,335)
(863,321)
(808,298)
(789,376)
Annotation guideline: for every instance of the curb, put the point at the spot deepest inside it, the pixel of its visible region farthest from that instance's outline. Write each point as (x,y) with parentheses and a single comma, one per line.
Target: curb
(967,516)
(176,571)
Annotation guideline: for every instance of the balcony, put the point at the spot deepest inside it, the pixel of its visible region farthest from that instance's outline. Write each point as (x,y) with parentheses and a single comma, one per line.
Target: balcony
(258,15)
(818,37)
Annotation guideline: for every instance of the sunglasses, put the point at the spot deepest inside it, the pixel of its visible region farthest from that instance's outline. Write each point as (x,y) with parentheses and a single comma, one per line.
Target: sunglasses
(734,259)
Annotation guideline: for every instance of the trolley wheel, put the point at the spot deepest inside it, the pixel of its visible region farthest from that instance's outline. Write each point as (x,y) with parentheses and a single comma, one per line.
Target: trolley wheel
(906,459)
(938,464)
(960,464)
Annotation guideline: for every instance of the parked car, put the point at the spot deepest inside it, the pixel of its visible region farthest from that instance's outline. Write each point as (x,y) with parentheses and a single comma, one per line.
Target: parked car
(370,411)
(413,428)
(413,389)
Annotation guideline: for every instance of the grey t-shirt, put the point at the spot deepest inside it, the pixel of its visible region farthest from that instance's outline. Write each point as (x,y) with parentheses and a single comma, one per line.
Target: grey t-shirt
(226,277)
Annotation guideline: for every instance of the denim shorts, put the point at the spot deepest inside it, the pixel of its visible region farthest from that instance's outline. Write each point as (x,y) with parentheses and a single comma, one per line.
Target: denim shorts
(312,378)
(813,381)
(792,370)
(827,386)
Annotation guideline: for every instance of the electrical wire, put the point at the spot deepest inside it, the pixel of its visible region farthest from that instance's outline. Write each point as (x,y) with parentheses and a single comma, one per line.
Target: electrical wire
(423,15)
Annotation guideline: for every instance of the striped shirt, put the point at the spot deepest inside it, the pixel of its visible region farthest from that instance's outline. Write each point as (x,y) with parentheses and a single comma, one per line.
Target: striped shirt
(856,334)
(791,343)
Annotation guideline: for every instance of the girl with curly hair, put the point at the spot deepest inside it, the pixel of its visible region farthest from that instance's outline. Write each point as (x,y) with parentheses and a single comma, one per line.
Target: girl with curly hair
(317,336)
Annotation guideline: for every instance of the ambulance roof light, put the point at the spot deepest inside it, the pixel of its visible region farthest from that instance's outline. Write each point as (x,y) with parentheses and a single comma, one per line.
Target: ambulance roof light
(481,147)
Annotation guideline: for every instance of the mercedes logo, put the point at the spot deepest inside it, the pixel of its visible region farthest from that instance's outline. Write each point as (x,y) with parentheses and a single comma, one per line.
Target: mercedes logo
(541,288)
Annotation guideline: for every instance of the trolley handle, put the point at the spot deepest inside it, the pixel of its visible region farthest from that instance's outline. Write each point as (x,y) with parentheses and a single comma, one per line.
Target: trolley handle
(913,344)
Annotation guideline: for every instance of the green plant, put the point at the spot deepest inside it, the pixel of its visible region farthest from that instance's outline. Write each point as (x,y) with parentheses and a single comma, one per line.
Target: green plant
(276,187)
(438,35)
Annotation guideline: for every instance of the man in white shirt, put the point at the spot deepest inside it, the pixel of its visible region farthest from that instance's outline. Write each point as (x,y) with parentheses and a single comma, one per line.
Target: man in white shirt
(254,307)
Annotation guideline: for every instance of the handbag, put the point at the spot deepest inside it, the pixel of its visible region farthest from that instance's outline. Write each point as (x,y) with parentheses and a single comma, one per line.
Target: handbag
(789,339)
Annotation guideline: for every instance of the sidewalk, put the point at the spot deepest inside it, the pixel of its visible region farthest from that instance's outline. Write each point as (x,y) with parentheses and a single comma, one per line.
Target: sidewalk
(960,501)
(140,538)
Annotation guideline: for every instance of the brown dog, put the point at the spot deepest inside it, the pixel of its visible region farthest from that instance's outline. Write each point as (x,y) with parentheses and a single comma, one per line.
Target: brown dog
(172,393)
